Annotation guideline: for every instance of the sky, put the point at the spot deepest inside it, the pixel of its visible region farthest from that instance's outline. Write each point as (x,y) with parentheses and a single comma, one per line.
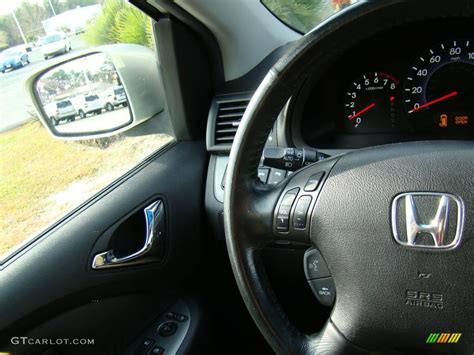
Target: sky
(7,6)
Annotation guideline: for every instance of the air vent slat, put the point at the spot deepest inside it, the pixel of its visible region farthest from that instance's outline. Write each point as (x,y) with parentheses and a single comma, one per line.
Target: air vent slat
(225,139)
(228,117)
(233,108)
(229,123)
(231,130)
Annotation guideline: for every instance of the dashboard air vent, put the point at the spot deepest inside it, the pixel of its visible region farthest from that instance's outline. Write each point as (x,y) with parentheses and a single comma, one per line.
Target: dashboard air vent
(228,119)
(225,117)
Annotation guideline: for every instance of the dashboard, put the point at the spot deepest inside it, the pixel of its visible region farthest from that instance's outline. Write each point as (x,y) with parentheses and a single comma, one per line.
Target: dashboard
(414,82)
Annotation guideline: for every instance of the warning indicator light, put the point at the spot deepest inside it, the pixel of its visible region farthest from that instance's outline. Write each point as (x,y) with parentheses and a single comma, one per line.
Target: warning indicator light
(443,121)
(461,120)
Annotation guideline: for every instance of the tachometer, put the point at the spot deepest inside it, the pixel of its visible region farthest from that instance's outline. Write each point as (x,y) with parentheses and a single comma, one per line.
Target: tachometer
(371,103)
(439,89)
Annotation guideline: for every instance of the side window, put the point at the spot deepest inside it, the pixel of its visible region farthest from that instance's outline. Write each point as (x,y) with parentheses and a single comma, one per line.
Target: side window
(304,15)
(42,177)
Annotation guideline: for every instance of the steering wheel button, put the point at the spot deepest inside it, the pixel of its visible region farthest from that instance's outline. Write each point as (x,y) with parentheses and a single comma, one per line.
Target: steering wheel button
(324,290)
(283,216)
(301,210)
(288,199)
(313,181)
(284,211)
(314,265)
(283,223)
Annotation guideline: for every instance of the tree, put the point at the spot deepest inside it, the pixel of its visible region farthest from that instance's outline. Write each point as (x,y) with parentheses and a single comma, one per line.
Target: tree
(3,40)
(29,16)
(56,5)
(62,6)
(100,31)
(133,26)
(7,25)
(303,15)
(119,22)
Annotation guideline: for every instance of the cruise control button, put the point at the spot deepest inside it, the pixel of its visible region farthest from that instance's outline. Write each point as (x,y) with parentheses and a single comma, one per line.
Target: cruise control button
(288,200)
(313,181)
(283,224)
(324,290)
(301,210)
(314,265)
(283,215)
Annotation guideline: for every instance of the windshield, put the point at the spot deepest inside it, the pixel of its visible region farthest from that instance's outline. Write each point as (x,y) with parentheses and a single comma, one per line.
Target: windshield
(63,104)
(304,15)
(51,39)
(119,91)
(10,53)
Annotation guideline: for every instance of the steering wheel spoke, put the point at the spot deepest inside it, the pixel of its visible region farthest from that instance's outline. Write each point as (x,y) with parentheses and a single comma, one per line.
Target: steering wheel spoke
(330,341)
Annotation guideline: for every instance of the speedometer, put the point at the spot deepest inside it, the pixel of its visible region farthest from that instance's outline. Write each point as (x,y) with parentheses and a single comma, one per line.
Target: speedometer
(439,89)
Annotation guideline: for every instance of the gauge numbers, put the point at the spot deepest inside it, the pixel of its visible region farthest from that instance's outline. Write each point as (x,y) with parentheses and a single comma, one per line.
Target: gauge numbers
(371,103)
(439,88)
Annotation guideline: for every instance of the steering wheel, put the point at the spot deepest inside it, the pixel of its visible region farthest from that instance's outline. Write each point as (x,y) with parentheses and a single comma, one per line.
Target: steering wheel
(390,293)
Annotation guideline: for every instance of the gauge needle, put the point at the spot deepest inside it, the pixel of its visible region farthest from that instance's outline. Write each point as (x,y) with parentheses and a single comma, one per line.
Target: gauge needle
(435,101)
(371,106)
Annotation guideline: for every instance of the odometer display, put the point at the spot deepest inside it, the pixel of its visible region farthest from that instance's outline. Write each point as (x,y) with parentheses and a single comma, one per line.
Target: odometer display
(439,88)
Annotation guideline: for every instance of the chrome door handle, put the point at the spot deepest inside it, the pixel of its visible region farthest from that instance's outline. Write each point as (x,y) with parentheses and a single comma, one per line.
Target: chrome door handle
(154,214)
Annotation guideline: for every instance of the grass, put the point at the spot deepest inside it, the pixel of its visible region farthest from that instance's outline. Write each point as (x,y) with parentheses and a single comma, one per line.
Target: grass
(43,178)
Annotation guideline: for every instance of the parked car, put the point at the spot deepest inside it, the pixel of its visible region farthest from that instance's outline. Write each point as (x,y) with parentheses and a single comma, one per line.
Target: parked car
(13,58)
(90,104)
(29,46)
(80,29)
(55,43)
(59,111)
(114,98)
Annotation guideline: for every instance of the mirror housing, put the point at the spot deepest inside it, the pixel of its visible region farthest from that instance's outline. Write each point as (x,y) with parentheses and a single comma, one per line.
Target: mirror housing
(138,70)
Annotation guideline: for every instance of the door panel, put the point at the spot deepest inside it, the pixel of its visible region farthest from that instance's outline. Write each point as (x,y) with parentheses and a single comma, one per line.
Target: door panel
(128,314)
(54,275)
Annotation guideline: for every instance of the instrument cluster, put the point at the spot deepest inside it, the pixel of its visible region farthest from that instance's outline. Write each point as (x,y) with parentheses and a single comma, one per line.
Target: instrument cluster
(393,88)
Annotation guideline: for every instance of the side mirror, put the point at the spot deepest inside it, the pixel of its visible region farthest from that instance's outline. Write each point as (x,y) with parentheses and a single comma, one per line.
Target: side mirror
(97,93)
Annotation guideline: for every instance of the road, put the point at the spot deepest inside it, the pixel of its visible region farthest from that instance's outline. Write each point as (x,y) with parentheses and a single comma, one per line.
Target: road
(15,106)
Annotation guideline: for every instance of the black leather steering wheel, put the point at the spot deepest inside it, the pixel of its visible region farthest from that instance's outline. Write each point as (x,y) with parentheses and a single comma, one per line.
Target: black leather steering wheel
(350,216)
